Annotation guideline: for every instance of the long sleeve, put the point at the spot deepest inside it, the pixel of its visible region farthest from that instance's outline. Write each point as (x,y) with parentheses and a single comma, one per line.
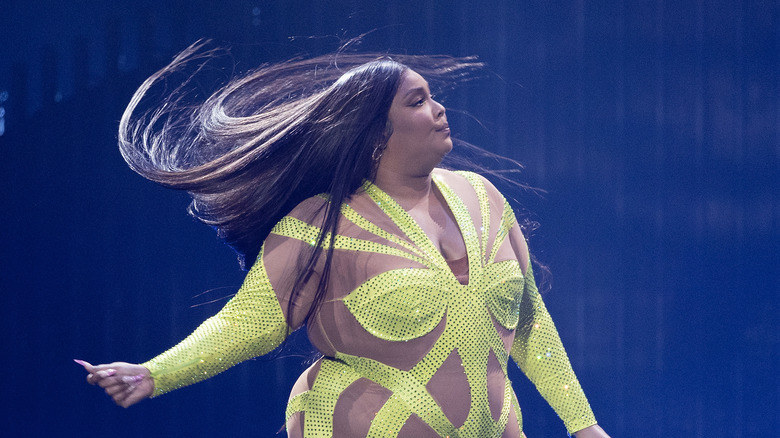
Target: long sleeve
(538,351)
(251,324)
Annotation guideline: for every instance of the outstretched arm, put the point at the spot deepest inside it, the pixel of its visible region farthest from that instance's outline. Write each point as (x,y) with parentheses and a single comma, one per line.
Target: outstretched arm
(251,324)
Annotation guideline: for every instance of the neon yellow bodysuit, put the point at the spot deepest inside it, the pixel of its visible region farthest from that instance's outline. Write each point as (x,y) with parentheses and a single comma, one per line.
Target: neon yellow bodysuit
(413,344)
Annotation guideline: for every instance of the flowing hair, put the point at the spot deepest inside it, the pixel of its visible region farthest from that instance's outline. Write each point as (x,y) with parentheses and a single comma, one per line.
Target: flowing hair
(258,146)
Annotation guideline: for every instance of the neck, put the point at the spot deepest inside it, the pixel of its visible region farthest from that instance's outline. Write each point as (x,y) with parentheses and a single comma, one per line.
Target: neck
(407,189)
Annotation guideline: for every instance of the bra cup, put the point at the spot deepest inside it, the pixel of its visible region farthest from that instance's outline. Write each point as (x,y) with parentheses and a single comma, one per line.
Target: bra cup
(401,304)
(405,304)
(504,293)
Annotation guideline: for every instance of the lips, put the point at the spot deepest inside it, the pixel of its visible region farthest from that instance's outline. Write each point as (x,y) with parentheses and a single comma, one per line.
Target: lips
(444,128)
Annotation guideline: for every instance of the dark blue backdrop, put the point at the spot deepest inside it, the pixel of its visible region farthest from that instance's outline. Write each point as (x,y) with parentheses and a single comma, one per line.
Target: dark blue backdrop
(652,125)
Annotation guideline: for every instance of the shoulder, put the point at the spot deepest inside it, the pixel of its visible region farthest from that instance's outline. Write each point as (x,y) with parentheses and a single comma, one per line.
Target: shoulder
(302,223)
(471,185)
(461,180)
(310,210)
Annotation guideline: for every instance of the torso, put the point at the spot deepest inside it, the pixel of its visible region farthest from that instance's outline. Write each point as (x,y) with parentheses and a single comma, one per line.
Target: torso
(413,297)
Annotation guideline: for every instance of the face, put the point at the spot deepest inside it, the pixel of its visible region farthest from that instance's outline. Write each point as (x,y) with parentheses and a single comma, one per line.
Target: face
(421,135)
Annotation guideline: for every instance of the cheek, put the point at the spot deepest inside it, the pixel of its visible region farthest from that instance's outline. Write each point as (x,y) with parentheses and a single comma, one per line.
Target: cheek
(410,128)
(415,125)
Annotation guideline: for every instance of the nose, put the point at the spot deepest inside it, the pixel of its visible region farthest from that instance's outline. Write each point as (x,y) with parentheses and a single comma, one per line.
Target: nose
(439,109)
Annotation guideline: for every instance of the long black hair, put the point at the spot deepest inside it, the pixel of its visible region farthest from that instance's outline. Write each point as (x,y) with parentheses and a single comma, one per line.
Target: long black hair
(266,141)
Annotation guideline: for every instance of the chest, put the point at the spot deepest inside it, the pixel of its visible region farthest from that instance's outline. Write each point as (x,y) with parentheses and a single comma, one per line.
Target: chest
(438,223)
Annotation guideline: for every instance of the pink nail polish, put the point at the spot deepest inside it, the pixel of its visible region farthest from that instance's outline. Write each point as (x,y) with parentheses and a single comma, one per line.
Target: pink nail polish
(80,362)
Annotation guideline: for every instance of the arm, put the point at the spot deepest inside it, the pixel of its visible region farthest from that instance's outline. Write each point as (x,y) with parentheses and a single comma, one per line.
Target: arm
(537,348)
(538,351)
(251,324)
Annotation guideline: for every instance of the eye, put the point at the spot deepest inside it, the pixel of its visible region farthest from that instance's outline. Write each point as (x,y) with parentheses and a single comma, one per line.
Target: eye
(422,99)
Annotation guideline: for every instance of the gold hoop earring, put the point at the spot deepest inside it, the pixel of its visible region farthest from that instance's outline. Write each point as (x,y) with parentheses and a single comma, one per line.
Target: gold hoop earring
(379,150)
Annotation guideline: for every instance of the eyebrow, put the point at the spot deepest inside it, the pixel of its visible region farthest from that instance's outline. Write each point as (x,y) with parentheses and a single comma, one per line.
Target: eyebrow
(414,90)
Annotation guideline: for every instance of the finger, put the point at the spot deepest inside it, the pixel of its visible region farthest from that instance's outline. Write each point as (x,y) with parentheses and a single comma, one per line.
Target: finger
(111,381)
(105,366)
(120,381)
(93,368)
(115,389)
(97,376)
(106,373)
(121,395)
(126,403)
(94,378)
(129,401)
(132,398)
(124,397)
(125,384)
(132,380)
(87,366)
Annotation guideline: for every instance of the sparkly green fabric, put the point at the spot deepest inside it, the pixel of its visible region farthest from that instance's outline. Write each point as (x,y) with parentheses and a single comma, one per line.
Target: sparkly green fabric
(539,353)
(401,305)
(251,324)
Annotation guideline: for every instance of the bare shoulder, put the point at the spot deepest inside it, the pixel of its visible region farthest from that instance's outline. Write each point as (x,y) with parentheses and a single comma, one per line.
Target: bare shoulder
(458,181)
(493,194)
(310,210)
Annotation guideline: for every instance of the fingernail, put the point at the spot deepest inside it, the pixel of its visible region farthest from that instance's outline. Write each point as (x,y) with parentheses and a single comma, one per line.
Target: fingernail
(80,362)
(138,378)
(107,373)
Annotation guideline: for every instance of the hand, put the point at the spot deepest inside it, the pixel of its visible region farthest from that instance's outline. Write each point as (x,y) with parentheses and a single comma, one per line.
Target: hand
(594,431)
(126,383)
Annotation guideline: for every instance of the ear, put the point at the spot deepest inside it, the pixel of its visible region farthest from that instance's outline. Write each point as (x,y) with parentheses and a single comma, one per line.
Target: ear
(388,131)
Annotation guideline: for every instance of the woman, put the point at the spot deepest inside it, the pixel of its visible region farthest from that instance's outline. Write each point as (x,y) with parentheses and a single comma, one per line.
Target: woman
(414,282)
